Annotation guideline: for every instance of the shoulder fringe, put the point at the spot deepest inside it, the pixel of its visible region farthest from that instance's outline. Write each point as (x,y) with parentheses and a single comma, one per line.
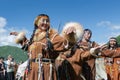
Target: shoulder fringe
(20,37)
(39,35)
(78,31)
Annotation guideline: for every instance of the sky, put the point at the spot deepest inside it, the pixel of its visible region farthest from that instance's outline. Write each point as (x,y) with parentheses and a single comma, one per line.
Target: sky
(101,16)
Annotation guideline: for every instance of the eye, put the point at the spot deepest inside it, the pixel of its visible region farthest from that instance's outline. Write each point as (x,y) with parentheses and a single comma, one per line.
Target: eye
(45,20)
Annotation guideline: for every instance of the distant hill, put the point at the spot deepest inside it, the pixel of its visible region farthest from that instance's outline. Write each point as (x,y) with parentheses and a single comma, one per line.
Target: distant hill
(17,53)
(118,39)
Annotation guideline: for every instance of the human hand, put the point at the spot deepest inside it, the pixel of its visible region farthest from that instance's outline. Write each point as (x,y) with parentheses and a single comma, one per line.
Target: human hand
(70,30)
(14,33)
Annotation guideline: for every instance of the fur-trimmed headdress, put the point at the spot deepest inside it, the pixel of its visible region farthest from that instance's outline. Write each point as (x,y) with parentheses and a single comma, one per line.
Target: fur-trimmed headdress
(73,37)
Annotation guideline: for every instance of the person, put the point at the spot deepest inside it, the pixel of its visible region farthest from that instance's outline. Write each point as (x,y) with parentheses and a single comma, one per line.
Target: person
(70,62)
(5,63)
(10,68)
(89,64)
(2,69)
(43,47)
(21,71)
(111,54)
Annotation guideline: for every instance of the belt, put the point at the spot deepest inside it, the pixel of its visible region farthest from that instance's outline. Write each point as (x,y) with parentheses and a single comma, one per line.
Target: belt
(43,60)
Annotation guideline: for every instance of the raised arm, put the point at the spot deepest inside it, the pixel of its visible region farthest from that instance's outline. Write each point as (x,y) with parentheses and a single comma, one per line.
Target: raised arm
(20,38)
(111,53)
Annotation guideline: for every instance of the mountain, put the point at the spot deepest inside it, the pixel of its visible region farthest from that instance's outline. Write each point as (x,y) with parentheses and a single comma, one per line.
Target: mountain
(17,53)
(118,39)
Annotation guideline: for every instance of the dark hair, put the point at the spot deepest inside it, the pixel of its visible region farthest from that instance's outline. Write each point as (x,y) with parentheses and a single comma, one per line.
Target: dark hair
(2,58)
(113,38)
(88,30)
(116,45)
(31,39)
(43,15)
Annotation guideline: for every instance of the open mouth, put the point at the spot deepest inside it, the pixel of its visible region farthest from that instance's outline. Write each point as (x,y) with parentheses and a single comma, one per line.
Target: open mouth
(44,25)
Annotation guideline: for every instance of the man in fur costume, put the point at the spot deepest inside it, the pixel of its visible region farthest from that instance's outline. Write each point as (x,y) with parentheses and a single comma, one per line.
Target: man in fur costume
(111,54)
(44,47)
(108,60)
(69,63)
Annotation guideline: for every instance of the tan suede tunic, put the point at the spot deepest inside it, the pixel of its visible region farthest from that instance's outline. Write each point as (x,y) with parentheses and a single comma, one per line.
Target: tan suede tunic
(112,63)
(90,62)
(37,47)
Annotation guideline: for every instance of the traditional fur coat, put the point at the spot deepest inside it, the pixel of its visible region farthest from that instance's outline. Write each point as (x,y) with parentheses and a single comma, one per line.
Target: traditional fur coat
(70,68)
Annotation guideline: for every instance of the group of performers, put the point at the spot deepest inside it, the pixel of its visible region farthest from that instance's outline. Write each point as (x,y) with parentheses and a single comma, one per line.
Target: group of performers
(69,56)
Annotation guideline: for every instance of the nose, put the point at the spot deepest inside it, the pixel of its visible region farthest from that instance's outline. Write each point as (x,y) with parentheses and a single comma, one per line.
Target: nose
(45,22)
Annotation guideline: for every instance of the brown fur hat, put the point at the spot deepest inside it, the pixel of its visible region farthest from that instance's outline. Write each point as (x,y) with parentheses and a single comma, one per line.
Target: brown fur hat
(74,36)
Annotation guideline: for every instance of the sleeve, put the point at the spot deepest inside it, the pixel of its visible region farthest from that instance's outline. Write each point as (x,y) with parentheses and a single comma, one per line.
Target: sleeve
(82,55)
(60,43)
(111,53)
(8,64)
(85,55)
(21,38)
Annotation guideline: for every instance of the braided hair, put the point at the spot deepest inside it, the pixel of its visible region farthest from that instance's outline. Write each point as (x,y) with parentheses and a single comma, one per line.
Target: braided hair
(31,39)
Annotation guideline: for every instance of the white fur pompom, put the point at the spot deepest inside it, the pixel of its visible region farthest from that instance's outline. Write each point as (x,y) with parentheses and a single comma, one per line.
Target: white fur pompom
(78,30)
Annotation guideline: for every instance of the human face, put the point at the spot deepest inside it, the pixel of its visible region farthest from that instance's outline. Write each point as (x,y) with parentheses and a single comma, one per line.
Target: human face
(1,60)
(43,23)
(112,43)
(87,35)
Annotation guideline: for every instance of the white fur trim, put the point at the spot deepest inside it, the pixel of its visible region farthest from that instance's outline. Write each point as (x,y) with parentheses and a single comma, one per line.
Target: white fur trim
(92,52)
(20,37)
(78,29)
(59,58)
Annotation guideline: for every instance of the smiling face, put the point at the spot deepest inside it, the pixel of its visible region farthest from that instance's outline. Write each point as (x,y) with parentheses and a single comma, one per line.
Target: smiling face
(42,22)
(112,43)
(87,35)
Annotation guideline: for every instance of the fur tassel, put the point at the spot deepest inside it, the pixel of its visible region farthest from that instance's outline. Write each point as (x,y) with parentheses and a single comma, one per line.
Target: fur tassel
(20,37)
(73,37)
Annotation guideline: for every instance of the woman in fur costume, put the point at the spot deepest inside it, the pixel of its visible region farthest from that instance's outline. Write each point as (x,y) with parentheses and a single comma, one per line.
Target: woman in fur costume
(88,64)
(69,63)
